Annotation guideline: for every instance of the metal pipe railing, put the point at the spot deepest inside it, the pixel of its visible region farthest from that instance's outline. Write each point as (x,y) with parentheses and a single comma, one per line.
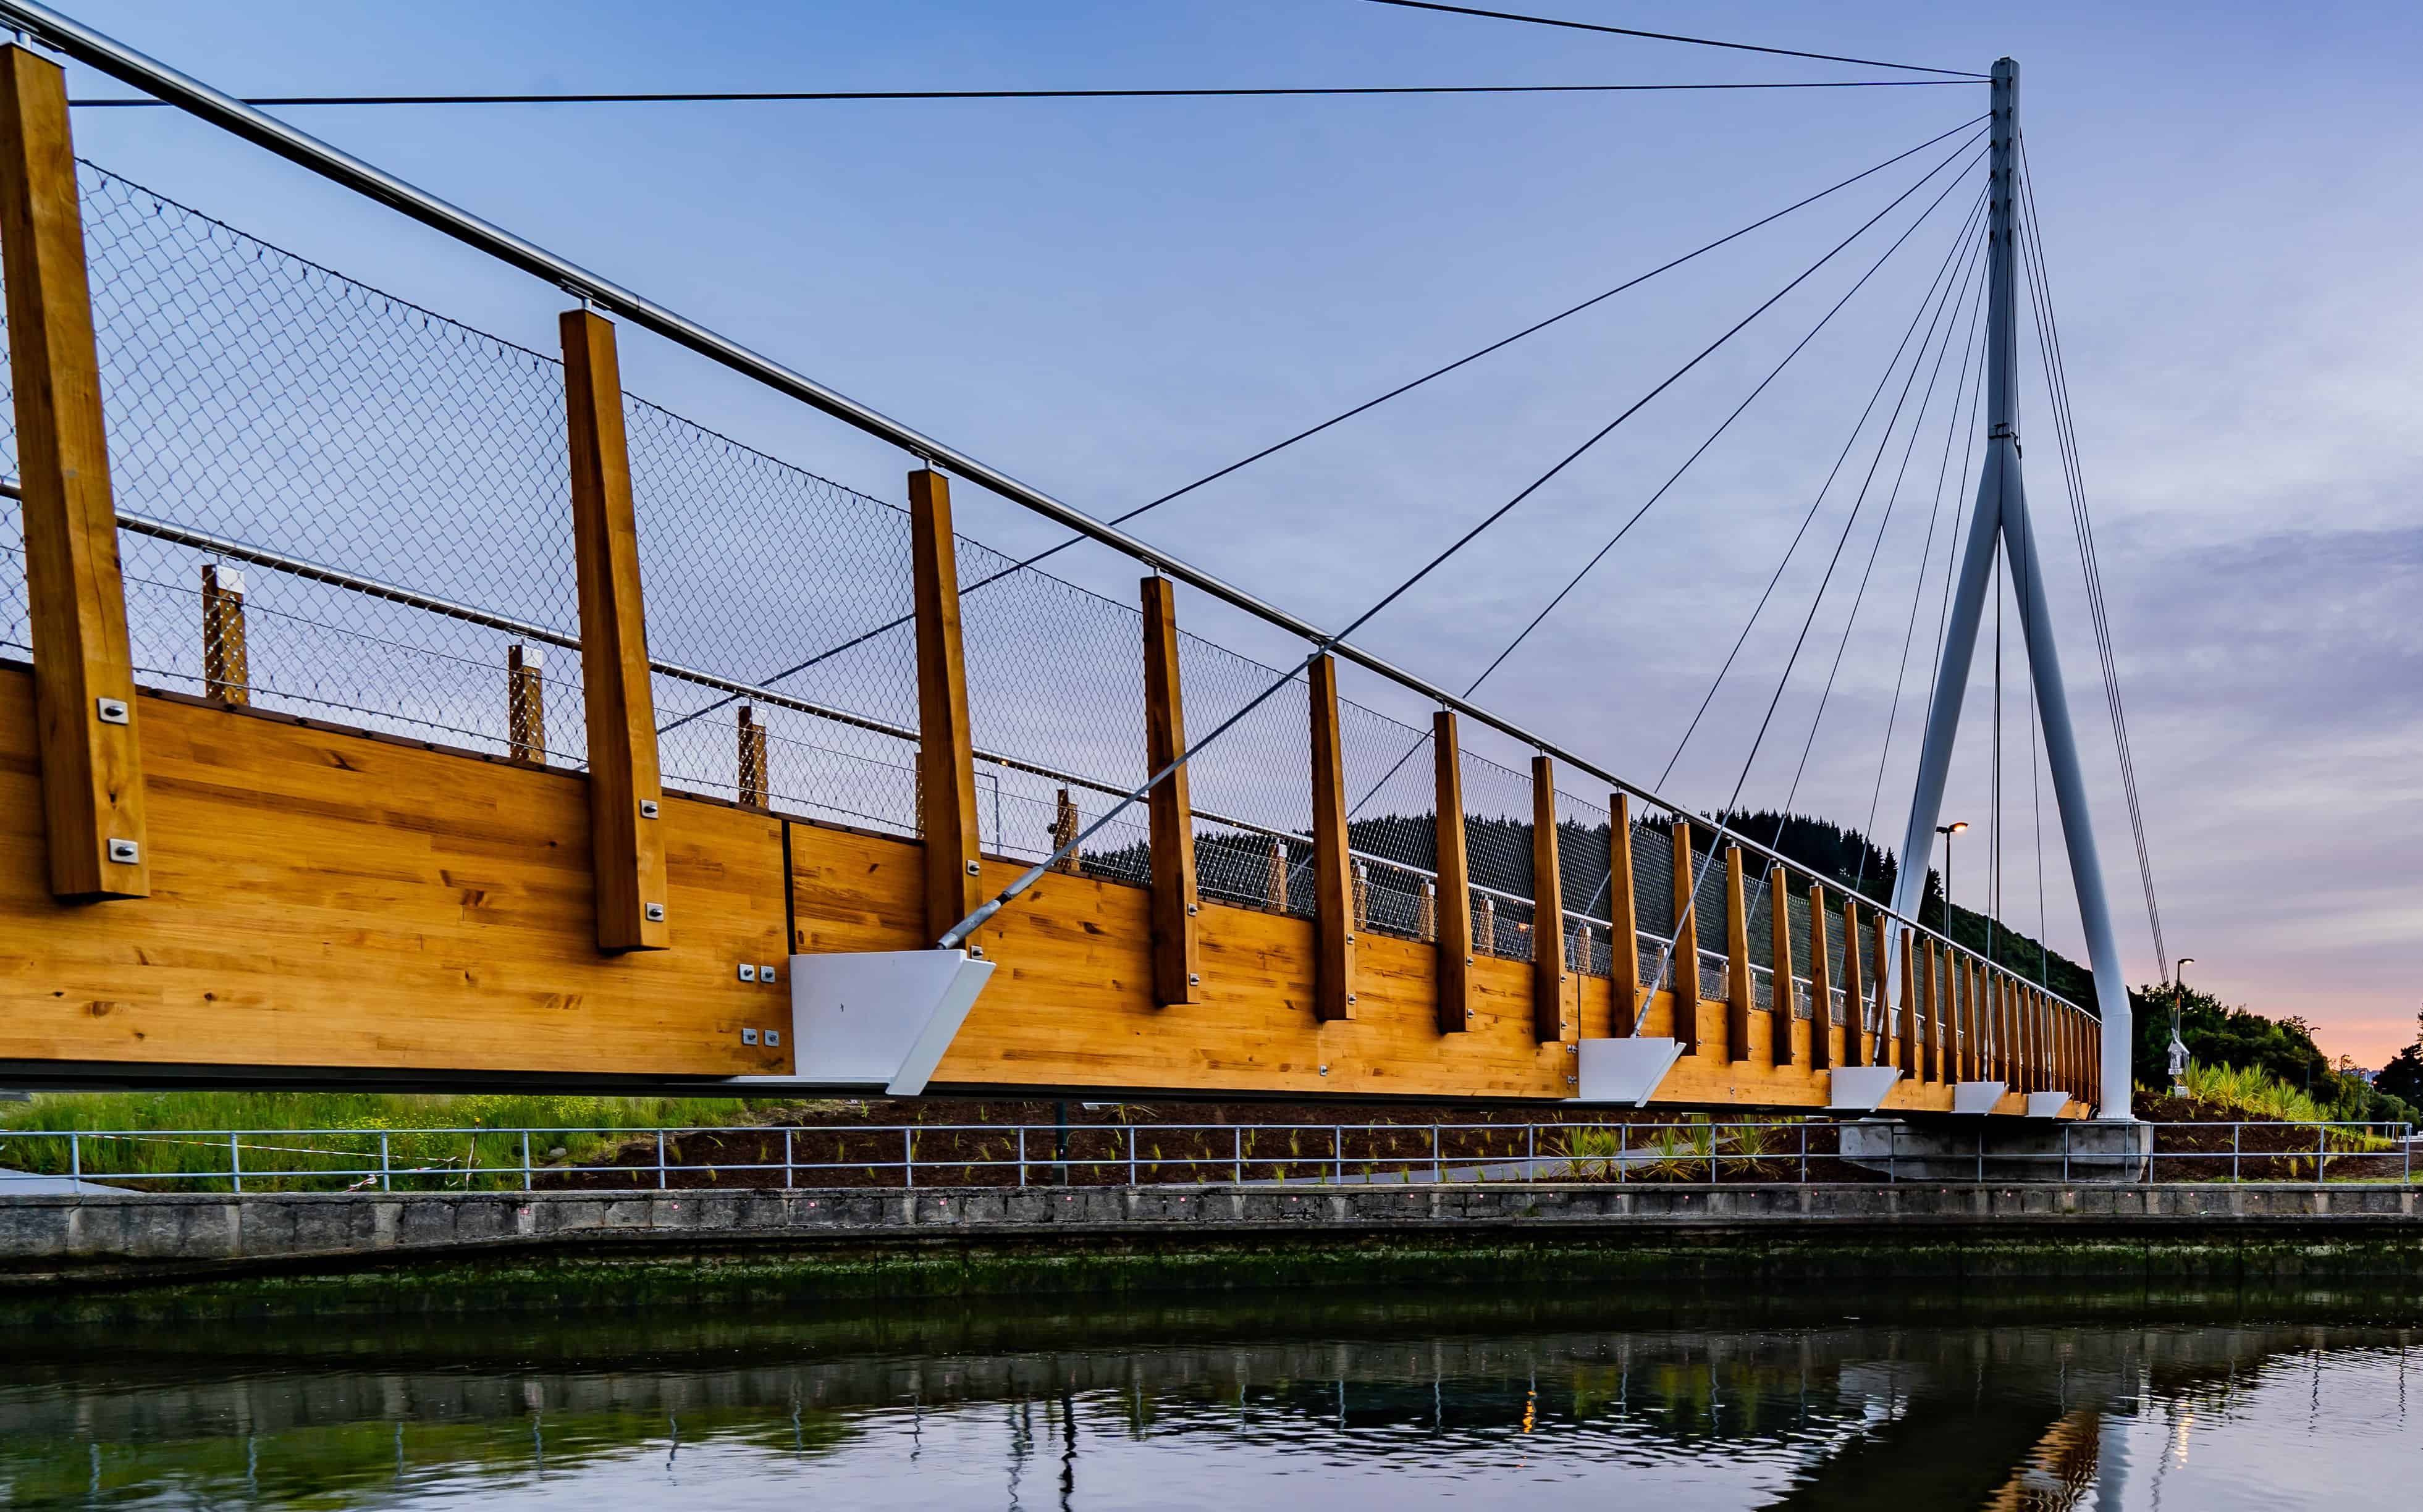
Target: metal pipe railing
(107,54)
(907,1155)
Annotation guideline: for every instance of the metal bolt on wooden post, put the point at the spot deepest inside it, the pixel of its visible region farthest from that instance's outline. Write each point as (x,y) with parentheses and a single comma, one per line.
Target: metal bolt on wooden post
(227,662)
(85,708)
(750,758)
(525,704)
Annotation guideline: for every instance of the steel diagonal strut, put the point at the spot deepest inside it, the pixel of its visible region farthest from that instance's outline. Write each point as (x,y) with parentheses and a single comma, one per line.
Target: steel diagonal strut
(2001,521)
(96,50)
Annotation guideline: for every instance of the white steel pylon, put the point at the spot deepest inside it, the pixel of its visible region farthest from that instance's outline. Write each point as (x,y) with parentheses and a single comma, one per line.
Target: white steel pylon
(2001,520)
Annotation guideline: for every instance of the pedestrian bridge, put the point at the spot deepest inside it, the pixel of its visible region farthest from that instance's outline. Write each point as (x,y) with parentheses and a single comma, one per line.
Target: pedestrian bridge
(390,703)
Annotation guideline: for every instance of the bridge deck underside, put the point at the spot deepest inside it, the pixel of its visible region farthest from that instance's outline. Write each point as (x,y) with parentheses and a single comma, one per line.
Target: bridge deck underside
(330,904)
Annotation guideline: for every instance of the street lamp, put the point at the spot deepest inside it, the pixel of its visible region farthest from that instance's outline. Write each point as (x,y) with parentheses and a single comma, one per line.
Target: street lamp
(1947,832)
(2179,1046)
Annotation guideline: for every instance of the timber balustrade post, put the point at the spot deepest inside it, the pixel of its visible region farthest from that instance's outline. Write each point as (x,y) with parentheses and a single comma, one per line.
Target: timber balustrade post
(227,662)
(748,758)
(1426,914)
(86,741)
(1176,901)
(627,837)
(1332,994)
(1911,1061)
(1455,907)
(1737,988)
(1883,1048)
(1624,936)
(1931,1007)
(1821,984)
(945,751)
(1276,882)
(1065,826)
(1547,909)
(525,704)
(1854,1001)
(1779,1010)
(1683,959)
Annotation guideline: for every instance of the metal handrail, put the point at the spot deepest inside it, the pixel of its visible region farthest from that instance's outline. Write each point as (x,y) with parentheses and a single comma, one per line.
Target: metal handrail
(1752,1143)
(129,66)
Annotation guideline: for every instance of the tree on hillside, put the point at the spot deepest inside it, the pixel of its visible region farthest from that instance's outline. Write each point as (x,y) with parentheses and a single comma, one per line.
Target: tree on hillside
(2403,1076)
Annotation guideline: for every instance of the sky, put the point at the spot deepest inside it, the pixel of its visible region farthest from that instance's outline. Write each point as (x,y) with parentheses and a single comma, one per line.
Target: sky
(1110,298)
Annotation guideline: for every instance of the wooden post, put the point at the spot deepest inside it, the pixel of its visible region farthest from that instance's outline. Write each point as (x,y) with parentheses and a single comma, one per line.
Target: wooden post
(1485,933)
(525,704)
(1931,1010)
(1912,1062)
(1737,989)
(1972,1022)
(1278,877)
(1064,829)
(1821,984)
(1332,996)
(1176,898)
(1623,937)
(1426,914)
(1362,896)
(227,665)
(83,677)
(1547,909)
(749,759)
(945,755)
(1882,1048)
(1685,963)
(1854,1000)
(1778,907)
(626,840)
(1453,957)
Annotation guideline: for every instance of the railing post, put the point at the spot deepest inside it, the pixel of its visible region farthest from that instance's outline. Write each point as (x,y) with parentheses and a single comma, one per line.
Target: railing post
(386,1177)
(2237,1137)
(661,1174)
(1438,1173)
(1333,923)
(236,1159)
(1065,828)
(1854,1007)
(75,1156)
(749,759)
(1177,945)
(525,704)
(1131,1155)
(91,760)
(1781,1001)
(1337,1155)
(526,1160)
(1737,988)
(1821,984)
(1278,877)
(945,752)
(790,1172)
(227,664)
(1548,1019)
(1240,1142)
(1624,936)
(908,1157)
(1684,957)
(627,842)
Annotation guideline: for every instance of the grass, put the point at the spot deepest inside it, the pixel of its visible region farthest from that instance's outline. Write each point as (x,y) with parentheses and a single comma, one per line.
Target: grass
(344,1135)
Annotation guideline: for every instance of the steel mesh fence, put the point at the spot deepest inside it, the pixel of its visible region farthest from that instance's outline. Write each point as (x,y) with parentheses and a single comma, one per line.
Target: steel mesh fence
(1393,821)
(1497,840)
(1259,773)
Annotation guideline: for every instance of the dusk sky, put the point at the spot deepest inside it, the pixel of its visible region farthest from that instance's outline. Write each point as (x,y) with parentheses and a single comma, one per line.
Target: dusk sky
(1110,298)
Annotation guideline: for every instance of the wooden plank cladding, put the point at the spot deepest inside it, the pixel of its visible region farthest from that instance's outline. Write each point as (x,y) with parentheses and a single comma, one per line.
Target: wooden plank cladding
(947,782)
(91,800)
(1177,945)
(369,905)
(625,799)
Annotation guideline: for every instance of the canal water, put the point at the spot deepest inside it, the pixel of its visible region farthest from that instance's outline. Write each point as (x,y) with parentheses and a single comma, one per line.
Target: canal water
(2192,1403)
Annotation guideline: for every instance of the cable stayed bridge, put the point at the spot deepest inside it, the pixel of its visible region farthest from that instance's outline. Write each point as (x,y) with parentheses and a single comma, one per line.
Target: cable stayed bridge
(394,704)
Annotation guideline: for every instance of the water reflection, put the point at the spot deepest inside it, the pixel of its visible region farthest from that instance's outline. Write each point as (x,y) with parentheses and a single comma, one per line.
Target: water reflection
(2093,1402)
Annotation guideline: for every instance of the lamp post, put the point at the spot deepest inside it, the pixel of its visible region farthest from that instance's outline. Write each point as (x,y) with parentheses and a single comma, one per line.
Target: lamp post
(2179,1046)
(1947,832)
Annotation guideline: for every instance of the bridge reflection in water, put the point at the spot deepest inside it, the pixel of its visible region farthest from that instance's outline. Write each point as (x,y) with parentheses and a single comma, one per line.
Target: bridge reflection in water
(1354,1403)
